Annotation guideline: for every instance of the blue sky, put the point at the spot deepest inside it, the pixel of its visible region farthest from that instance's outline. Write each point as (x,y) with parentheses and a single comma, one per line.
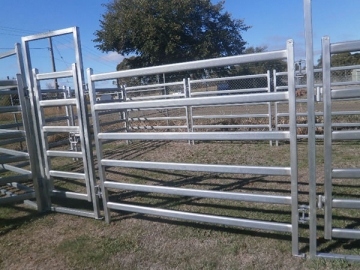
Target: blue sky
(272,21)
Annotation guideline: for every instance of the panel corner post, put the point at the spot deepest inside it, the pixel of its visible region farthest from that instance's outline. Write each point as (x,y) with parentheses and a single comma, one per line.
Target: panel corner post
(311,124)
(293,147)
(326,56)
(98,144)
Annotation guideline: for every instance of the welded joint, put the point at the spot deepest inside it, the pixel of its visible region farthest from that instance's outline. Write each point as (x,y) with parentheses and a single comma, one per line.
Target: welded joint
(304,213)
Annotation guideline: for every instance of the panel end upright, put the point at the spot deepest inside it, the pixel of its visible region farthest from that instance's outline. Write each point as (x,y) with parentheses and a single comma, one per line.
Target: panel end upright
(311,123)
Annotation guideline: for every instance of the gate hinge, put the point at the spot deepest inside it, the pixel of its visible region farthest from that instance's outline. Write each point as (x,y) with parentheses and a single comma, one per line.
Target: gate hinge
(304,210)
(98,191)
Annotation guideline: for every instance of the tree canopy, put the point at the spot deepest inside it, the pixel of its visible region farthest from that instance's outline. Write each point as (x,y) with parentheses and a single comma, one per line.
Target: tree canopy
(342,59)
(155,32)
(259,67)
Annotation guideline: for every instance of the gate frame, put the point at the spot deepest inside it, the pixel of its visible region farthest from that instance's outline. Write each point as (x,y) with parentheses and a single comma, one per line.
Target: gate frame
(83,109)
(291,171)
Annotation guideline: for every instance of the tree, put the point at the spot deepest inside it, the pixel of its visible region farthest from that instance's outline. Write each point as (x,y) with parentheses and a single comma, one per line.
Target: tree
(259,67)
(156,32)
(342,59)
(339,60)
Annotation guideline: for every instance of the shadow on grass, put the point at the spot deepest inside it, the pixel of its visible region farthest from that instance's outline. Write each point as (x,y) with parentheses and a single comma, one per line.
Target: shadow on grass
(14,216)
(208,226)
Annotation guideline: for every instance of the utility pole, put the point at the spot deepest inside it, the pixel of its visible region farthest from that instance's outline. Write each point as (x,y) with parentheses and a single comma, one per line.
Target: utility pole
(53,61)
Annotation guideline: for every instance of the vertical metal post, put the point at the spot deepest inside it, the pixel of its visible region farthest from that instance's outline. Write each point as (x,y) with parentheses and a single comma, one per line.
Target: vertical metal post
(190,109)
(41,190)
(327,136)
(275,106)
(53,61)
(269,103)
(86,123)
(293,148)
(44,189)
(311,124)
(98,144)
(125,112)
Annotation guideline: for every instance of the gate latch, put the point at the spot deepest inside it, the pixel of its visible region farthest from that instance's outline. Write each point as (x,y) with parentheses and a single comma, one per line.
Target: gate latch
(304,213)
(321,201)
(98,191)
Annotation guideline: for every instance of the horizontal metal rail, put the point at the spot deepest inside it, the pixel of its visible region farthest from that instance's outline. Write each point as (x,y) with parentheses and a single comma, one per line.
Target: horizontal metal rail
(16,140)
(60,32)
(7,83)
(208,136)
(346,135)
(346,173)
(215,168)
(71,154)
(232,104)
(201,64)
(346,203)
(57,102)
(333,256)
(154,97)
(246,223)
(152,87)
(17,198)
(71,211)
(7,54)
(20,186)
(6,109)
(248,98)
(212,116)
(9,159)
(156,118)
(230,126)
(15,178)
(7,91)
(345,46)
(228,78)
(54,75)
(69,194)
(248,197)
(14,125)
(11,132)
(235,91)
(346,233)
(58,129)
(14,169)
(345,93)
(72,175)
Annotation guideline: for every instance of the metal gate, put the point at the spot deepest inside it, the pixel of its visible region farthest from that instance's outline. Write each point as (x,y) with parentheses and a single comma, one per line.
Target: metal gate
(290,200)
(336,178)
(67,118)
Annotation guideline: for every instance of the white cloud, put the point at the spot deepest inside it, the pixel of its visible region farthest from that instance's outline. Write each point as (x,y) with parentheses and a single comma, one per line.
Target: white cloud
(112,57)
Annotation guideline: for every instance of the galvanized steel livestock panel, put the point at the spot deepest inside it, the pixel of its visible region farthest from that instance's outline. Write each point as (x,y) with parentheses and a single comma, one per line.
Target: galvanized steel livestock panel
(83,110)
(258,83)
(342,83)
(86,176)
(330,202)
(292,170)
(153,118)
(20,181)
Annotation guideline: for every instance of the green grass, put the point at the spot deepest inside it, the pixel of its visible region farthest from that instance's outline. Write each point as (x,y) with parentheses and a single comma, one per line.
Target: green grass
(134,241)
